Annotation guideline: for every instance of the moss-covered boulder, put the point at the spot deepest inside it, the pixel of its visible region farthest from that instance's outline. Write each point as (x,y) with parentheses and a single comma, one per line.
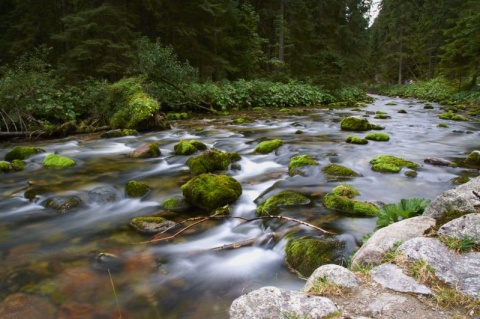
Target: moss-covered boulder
(22,152)
(119,133)
(300,161)
(356,140)
(473,158)
(177,204)
(452,116)
(57,161)
(391,164)
(151,224)
(5,166)
(345,190)
(350,206)
(211,160)
(356,124)
(304,255)
(18,165)
(381,116)
(136,189)
(377,136)
(339,171)
(209,191)
(177,116)
(266,147)
(64,204)
(286,198)
(188,147)
(148,150)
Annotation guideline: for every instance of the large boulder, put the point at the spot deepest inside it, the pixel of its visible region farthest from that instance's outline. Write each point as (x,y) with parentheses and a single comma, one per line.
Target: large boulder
(276,303)
(22,152)
(392,277)
(146,151)
(467,226)
(211,161)
(383,240)
(455,203)
(285,198)
(266,147)
(209,191)
(335,274)
(357,124)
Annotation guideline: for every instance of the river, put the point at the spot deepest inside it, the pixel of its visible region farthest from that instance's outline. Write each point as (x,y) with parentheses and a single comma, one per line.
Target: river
(92,262)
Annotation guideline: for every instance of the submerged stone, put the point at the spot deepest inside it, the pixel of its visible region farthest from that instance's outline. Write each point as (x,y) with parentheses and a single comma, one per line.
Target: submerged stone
(285,198)
(209,191)
(473,158)
(356,140)
(63,204)
(266,147)
(57,161)
(351,206)
(151,225)
(211,161)
(22,152)
(299,161)
(136,189)
(104,194)
(177,204)
(339,170)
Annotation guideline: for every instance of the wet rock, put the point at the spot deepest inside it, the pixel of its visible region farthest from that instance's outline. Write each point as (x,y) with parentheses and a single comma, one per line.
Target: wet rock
(58,162)
(467,226)
(285,198)
(5,166)
(356,140)
(151,225)
(211,161)
(378,137)
(84,284)
(106,261)
(104,194)
(64,204)
(383,240)
(391,277)
(332,273)
(439,162)
(345,190)
(209,191)
(266,147)
(22,152)
(119,133)
(460,271)
(391,164)
(299,161)
(339,171)
(177,204)
(353,123)
(455,202)
(305,254)
(275,303)
(18,165)
(186,148)
(350,206)
(473,158)
(22,305)
(146,151)
(136,189)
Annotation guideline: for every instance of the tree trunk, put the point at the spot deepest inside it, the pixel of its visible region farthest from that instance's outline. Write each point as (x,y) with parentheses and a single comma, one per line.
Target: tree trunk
(400,57)
(281,40)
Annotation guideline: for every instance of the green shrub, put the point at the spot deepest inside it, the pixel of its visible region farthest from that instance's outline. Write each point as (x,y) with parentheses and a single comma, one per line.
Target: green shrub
(406,208)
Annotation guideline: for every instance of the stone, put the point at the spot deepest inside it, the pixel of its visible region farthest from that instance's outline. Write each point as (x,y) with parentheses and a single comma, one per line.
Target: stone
(64,204)
(136,189)
(377,136)
(211,161)
(465,226)
(356,140)
(391,164)
(438,161)
(299,161)
(188,147)
(338,170)
(276,303)
(350,206)
(151,225)
(57,161)
(22,152)
(335,274)
(285,198)
(104,194)
(22,305)
(391,276)
(455,202)
(353,123)
(383,240)
(146,151)
(177,204)
(473,158)
(266,147)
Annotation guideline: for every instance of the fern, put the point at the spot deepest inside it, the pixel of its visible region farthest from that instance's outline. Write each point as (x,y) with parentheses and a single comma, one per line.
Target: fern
(406,208)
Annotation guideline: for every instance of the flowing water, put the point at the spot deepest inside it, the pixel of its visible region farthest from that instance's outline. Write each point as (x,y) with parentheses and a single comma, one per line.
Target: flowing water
(76,259)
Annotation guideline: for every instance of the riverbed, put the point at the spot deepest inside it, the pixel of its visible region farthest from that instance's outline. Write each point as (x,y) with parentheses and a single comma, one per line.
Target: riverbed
(90,261)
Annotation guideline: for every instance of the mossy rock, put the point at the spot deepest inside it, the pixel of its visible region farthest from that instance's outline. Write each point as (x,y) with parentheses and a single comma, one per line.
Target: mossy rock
(177,204)
(411,173)
(18,165)
(428,106)
(119,133)
(377,136)
(442,125)
(339,170)
(57,161)
(391,164)
(460,180)
(22,152)
(353,123)
(266,147)
(304,255)
(402,111)
(184,148)
(240,120)
(300,161)
(298,132)
(64,204)
(381,116)
(177,116)
(350,206)
(473,158)
(356,140)
(285,198)
(151,224)
(209,191)
(390,103)
(452,116)
(5,166)
(198,145)
(136,189)
(345,190)
(291,111)
(211,161)
(149,150)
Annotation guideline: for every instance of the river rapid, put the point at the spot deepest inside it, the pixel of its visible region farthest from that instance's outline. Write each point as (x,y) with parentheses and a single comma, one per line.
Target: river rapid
(92,262)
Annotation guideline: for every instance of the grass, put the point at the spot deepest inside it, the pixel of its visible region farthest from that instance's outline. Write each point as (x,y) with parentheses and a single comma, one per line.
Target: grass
(323,287)
(115,295)
(461,245)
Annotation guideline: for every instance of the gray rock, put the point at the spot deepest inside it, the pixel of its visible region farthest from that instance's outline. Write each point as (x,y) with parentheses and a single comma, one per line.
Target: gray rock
(455,203)
(334,274)
(275,303)
(383,302)
(461,271)
(473,158)
(104,194)
(391,277)
(382,241)
(465,226)
(438,161)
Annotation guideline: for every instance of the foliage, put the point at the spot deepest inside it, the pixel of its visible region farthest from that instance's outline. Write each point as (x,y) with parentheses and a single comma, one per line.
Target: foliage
(461,245)
(406,208)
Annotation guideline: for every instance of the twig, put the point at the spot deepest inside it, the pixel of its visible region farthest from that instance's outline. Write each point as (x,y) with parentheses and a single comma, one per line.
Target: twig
(115,294)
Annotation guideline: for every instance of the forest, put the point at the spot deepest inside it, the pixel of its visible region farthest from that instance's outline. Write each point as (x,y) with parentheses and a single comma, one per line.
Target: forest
(74,65)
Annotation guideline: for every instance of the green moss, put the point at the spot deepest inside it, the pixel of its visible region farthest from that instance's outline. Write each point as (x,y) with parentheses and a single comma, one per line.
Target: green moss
(5,166)
(177,116)
(18,165)
(356,140)
(391,164)
(345,190)
(285,198)
(209,191)
(442,125)
(266,147)
(402,111)
(460,180)
(473,158)
(239,120)
(299,161)
(377,136)
(184,148)
(138,221)
(22,152)
(211,161)
(381,116)
(136,189)
(154,150)
(411,174)
(355,124)
(57,161)
(428,106)
(339,170)
(298,132)
(129,132)
(198,145)
(348,205)
(452,116)
(306,254)
(176,204)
